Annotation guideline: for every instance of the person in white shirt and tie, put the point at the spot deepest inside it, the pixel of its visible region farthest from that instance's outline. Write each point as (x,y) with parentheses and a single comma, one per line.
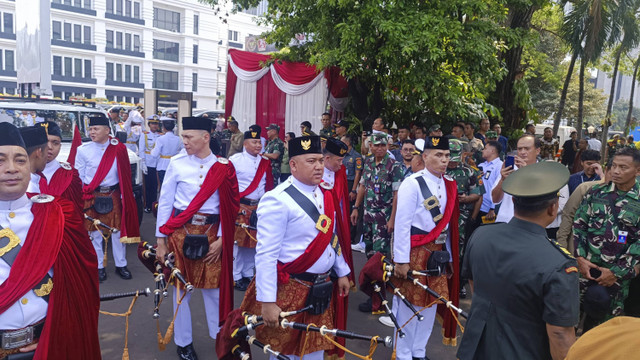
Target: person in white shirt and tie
(297,248)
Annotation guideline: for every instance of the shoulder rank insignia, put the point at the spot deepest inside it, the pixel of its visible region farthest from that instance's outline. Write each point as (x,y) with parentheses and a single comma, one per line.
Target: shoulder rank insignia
(571,269)
(42,198)
(114,141)
(564,251)
(223,161)
(65,165)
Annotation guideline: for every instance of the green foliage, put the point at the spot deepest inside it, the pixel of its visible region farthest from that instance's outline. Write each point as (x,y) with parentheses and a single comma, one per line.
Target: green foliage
(619,114)
(594,103)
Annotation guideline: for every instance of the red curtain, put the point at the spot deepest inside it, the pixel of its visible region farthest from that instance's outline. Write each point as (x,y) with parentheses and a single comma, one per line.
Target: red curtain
(231,91)
(295,73)
(271,104)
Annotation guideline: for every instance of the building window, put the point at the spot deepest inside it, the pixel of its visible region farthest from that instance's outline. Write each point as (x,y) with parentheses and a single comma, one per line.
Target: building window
(136,74)
(136,43)
(8,23)
(118,40)
(195,54)
(163,79)
(8,61)
(127,42)
(166,50)
(110,39)
(110,71)
(166,19)
(87,4)
(233,35)
(57,65)
(136,10)
(87,69)
(127,8)
(110,6)
(87,35)
(77,33)
(196,24)
(118,72)
(77,68)
(119,7)
(67,66)
(127,73)
(57,30)
(67,32)
(194,82)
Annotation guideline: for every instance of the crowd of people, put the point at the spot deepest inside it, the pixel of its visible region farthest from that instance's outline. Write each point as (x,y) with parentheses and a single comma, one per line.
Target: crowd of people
(277,215)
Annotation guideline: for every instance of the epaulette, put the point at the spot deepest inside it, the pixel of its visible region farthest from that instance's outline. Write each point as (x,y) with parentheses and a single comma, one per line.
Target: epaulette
(42,198)
(65,165)
(564,251)
(223,161)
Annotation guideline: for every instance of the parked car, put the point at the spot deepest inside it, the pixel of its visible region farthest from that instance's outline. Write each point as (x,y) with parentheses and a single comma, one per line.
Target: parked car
(26,112)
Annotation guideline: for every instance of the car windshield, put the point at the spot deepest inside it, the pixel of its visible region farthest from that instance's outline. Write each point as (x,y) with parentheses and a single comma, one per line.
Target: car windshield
(63,117)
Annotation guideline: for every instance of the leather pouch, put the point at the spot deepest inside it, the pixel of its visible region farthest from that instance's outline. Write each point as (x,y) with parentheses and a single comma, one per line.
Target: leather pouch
(320,296)
(195,247)
(103,204)
(437,263)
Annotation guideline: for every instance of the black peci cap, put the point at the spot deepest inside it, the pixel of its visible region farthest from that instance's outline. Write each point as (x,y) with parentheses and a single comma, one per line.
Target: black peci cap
(251,134)
(10,135)
(51,128)
(34,136)
(336,147)
(436,143)
(196,123)
(98,120)
(304,145)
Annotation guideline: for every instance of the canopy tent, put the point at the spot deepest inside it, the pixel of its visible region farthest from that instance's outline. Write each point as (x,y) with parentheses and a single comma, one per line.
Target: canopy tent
(283,93)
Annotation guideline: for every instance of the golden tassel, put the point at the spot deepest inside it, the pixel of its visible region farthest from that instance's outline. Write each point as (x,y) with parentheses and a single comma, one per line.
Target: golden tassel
(161,345)
(393,354)
(125,354)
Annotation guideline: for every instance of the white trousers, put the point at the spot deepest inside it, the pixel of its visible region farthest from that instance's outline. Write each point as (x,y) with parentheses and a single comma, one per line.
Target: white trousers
(243,262)
(414,344)
(118,249)
(183,334)
(318,355)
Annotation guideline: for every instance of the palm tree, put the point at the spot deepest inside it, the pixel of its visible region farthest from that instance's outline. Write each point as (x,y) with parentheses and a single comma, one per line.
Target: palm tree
(627,124)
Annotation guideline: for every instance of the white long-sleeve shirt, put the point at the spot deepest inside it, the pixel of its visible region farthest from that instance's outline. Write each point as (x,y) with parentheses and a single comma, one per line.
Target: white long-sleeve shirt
(182,181)
(411,212)
(246,168)
(29,309)
(284,233)
(166,146)
(87,162)
(146,143)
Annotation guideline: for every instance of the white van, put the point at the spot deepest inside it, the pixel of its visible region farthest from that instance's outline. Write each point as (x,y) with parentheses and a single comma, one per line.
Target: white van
(564,132)
(26,112)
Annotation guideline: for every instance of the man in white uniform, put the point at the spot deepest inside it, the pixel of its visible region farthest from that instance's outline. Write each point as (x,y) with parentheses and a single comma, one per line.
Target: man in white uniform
(166,146)
(35,139)
(148,163)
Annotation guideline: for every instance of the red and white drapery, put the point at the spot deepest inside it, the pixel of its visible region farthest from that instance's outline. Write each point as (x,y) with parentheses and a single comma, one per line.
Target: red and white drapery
(284,93)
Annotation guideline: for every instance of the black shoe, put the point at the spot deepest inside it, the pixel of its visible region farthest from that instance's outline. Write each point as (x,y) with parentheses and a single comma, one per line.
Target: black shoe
(241,285)
(420,358)
(123,272)
(187,352)
(366,306)
(247,280)
(147,210)
(102,275)
(463,293)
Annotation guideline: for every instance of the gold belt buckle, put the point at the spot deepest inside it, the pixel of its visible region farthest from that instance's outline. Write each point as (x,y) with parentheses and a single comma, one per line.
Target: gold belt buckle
(431,202)
(323,224)
(199,220)
(17,339)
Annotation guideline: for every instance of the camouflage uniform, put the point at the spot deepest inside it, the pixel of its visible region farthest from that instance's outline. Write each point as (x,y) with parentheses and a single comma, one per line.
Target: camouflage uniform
(380,182)
(596,230)
(273,146)
(548,149)
(469,182)
(330,132)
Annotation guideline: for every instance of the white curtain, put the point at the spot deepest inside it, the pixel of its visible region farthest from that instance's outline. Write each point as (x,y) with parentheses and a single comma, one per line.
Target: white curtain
(247,75)
(291,89)
(308,106)
(244,104)
(338,104)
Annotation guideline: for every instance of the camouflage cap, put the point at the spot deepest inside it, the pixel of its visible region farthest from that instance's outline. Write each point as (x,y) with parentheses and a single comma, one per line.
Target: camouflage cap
(455,148)
(379,138)
(491,134)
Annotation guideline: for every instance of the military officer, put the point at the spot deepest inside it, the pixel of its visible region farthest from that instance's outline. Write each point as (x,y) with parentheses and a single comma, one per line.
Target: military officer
(148,162)
(196,212)
(237,138)
(274,150)
(165,147)
(525,302)
(104,168)
(254,179)
(426,222)
(294,253)
(327,130)
(606,232)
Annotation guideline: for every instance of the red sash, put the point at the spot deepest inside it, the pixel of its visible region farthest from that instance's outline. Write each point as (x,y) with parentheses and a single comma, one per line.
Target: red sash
(129,228)
(221,178)
(57,239)
(452,203)
(75,143)
(263,168)
(314,250)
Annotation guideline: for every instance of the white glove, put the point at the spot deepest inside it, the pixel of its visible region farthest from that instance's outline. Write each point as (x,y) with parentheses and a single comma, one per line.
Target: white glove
(143,166)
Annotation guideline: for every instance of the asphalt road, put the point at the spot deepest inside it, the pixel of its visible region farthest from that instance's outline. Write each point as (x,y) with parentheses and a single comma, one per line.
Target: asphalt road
(143,329)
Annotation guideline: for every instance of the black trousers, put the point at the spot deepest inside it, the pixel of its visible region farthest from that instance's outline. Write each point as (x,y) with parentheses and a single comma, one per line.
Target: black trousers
(161,176)
(150,187)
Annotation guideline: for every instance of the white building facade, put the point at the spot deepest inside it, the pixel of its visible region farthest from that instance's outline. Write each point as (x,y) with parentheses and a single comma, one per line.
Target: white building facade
(115,49)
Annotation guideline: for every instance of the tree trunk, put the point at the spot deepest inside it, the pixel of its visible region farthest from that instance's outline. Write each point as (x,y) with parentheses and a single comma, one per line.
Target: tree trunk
(627,124)
(583,65)
(607,118)
(563,97)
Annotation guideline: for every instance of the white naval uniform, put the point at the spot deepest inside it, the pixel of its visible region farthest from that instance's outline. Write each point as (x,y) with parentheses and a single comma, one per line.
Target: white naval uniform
(166,146)
(87,162)
(29,309)
(413,213)
(182,182)
(133,135)
(146,143)
(284,233)
(246,168)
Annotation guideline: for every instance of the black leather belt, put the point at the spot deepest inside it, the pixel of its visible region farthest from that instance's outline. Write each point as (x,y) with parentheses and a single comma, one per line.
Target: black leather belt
(106,189)
(14,339)
(198,219)
(249,202)
(310,277)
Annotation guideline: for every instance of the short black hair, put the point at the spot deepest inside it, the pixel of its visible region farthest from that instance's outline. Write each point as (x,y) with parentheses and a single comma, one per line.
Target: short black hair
(32,149)
(496,145)
(630,138)
(403,127)
(545,129)
(418,127)
(458,125)
(326,113)
(291,135)
(473,125)
(408,141)
(530,125)
(169,124)
(627,151)
(532,206)
(590,155)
